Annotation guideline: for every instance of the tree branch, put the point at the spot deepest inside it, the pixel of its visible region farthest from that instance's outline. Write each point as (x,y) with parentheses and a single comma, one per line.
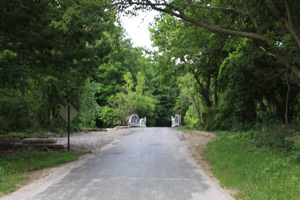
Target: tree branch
(209,26)
(252,19)
(177,12)
(288,11)
(268,53)
(287,23)
(278,56)
(215,8)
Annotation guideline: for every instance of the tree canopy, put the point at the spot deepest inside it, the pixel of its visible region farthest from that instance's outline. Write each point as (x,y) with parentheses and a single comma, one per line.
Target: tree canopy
(236,83)
(272,24)
(227,64)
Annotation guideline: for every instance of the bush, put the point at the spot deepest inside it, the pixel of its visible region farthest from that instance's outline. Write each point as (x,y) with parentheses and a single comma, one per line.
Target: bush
(280,137)
(14,113)
(191,118)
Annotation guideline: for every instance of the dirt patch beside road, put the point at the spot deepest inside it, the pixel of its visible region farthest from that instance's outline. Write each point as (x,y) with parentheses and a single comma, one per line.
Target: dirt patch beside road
(197,141)
(93,140)
(78,141)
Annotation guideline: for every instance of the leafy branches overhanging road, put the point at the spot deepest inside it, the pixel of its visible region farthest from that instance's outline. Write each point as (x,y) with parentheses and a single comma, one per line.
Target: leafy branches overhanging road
(271,23)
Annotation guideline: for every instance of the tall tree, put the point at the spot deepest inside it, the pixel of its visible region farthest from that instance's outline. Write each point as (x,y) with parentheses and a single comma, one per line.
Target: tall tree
(238,84)
(48,49)
(272,23)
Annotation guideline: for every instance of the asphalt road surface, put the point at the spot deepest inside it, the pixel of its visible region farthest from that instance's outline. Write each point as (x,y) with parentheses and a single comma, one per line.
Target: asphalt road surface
(151,163)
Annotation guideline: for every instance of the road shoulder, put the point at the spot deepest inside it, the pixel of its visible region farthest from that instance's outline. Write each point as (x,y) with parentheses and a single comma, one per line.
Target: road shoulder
(196,142)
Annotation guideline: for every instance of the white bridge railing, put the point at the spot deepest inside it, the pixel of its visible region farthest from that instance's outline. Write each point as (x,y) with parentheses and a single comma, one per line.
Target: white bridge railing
(176,120)
(135,121)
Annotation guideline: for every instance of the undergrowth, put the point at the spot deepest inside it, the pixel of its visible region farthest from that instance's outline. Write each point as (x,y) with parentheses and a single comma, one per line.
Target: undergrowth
(261,165)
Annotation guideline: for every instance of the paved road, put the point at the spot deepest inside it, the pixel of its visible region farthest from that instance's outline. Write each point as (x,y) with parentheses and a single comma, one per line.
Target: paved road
(152,163)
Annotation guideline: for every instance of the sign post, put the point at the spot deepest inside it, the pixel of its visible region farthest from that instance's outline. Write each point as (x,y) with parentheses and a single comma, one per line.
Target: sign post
(68,113)
(68,127)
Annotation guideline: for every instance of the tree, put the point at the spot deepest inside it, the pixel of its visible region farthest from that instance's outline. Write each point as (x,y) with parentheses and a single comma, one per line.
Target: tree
(192,60)
(238,85)
(122,58)
(191,99)
(273,24)
(89,108)
(187,49)
(257,84)
(48,49)
(129,101)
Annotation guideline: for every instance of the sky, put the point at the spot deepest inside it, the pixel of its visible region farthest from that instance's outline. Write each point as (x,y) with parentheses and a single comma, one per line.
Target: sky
(137,28)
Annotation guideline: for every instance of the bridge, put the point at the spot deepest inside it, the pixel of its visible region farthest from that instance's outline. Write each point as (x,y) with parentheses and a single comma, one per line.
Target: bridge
(176,120)
(135,121)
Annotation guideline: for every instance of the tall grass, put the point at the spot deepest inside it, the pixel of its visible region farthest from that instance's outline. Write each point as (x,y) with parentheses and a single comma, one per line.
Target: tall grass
(257,173)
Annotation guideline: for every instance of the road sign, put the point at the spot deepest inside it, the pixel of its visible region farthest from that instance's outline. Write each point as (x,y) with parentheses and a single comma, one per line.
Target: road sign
(68,113)
(64,113)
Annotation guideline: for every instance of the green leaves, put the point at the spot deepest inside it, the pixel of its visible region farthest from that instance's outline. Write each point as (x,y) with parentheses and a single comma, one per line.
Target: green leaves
(6,55)
(44,57)
(89,108)
(235,78)
(129,101)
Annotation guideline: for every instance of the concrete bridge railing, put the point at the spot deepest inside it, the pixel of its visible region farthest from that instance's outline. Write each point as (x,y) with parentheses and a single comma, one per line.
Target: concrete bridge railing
(135,121)
(176,120)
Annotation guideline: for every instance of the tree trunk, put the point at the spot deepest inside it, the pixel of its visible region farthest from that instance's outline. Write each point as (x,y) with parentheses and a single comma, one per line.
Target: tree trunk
(216,90)
(197,106)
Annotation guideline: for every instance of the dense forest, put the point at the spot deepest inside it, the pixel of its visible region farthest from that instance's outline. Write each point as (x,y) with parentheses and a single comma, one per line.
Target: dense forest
(59,52)
(230,65)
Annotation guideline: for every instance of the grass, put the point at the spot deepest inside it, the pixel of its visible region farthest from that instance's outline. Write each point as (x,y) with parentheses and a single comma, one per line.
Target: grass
(14,169)
(258,174)
(16,134)
(185,129)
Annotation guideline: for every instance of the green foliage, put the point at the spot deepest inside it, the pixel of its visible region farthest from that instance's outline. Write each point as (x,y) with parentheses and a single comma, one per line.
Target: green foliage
(113,76)
(58,52)
(129,101)
(189,101)
(191,118)
(17,134)
(6,55)
(165,97)
(108,115)
(232,86)
(232,82)
(89,108)
(14,169)
(255,173)
(14,111)
(48,50)
(283,138)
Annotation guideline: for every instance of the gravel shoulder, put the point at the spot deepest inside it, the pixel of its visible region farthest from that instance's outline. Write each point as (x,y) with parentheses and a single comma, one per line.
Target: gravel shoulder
(196,142)
(93,140)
